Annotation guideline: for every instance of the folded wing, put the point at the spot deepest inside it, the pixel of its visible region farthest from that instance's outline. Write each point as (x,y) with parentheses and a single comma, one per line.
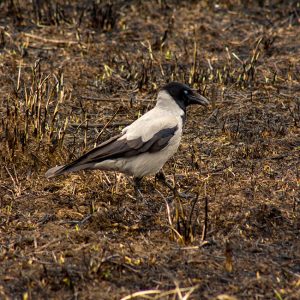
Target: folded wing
(120,146)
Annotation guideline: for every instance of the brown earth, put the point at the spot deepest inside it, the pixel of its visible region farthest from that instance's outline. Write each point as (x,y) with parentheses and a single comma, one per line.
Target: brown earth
(74,73)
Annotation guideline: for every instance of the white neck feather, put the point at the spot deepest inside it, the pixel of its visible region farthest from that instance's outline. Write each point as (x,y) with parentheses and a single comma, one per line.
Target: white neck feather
(165,101)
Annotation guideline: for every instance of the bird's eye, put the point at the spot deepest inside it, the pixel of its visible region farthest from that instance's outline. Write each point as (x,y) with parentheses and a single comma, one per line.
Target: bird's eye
(186,92)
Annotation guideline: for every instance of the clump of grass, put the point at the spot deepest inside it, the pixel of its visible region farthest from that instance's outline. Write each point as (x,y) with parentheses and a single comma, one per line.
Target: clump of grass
(184,219)
(31,119)
(103,15)
(100,15)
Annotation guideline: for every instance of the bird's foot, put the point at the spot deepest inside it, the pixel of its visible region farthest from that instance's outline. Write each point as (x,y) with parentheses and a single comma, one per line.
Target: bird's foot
(182,195)
(138,195)
(137,190)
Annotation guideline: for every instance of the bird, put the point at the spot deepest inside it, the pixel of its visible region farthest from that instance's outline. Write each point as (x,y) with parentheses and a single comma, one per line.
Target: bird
(143,147)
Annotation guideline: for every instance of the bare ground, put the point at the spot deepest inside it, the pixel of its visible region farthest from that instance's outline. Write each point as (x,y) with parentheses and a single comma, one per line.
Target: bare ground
(74,73)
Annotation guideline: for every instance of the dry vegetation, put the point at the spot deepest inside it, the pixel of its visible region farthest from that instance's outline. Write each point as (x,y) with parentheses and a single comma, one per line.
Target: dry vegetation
(74,73)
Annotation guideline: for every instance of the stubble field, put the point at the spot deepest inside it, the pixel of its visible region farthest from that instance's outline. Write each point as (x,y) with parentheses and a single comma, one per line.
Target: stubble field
(74,73)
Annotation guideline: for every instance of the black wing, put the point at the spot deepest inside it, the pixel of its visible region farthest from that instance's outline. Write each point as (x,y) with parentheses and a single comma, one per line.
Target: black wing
(115,148)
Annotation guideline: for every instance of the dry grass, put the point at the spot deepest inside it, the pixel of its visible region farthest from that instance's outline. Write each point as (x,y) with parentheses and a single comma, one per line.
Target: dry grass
(74,73)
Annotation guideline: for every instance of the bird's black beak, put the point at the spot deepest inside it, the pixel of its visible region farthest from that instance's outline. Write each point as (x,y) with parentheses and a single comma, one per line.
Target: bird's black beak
(196,98)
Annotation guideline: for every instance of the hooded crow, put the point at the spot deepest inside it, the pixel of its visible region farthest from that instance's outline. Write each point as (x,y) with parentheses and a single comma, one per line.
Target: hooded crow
(143,147)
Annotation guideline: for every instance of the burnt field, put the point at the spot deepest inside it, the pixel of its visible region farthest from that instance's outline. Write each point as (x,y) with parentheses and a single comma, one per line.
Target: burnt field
(72,74)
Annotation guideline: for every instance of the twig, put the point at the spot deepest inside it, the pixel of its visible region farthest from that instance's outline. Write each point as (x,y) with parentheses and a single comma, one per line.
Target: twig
(168,208)
(215,171)
(17,188)
(107,124)
(54,241)
(53,41)
(204,231)
(115,124)
(80,222)
(114,99)
(140,294)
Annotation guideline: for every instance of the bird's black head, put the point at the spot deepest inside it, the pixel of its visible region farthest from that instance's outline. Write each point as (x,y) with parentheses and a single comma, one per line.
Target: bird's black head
(184,95)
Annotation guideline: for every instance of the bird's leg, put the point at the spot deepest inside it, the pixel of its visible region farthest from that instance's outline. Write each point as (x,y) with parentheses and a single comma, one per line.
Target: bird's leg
(162,178)
(137,187)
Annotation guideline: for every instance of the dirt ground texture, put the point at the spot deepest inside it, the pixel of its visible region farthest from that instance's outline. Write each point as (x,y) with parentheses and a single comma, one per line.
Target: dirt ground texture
(73,73)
